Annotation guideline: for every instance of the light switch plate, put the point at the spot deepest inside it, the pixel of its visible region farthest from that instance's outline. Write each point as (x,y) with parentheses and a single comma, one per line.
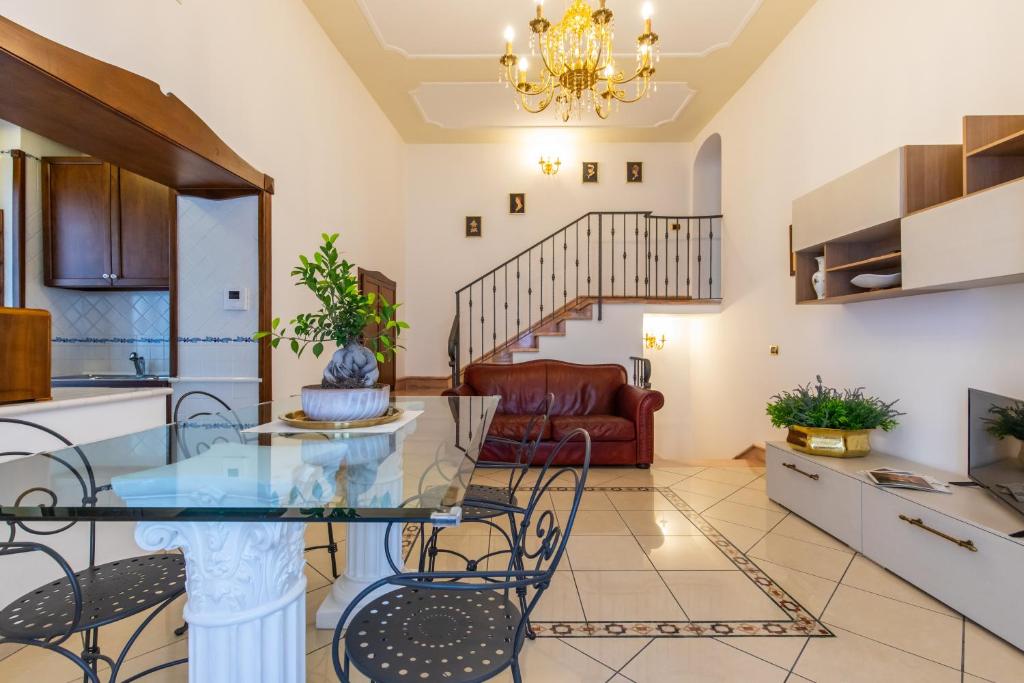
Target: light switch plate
(236,299)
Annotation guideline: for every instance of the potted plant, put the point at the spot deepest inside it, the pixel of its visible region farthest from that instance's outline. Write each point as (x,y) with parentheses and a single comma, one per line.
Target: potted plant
(349,390)
(1007,424)
(826,421)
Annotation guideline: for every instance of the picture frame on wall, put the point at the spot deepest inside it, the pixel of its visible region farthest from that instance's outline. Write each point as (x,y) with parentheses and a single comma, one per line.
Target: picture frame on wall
(634,171)
(517,203)
(474,226)
(792,254)
(591,171)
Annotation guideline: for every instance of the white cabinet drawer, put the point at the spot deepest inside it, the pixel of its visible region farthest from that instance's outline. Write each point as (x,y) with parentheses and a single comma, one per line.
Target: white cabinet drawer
(984,583)
(827,499)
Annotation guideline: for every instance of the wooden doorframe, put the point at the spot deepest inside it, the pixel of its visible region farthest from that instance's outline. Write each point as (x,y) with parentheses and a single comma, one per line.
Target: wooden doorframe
(18,183)
(362,274)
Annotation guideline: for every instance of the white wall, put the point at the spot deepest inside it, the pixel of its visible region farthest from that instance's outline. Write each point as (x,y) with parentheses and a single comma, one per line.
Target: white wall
(269,82)
(446,183)
(853,80)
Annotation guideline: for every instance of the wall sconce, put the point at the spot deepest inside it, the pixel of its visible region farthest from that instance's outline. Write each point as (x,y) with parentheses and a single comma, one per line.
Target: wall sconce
(549,167)
(652,342)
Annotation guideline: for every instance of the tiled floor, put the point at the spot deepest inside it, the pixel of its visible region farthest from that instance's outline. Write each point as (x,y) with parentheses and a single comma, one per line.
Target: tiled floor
(691,547)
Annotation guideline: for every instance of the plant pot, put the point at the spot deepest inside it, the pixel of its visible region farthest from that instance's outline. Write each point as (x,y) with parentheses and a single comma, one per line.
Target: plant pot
(340,405)
(836,443)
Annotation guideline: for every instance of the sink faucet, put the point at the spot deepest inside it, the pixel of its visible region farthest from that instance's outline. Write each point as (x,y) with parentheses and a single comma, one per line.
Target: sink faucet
(139,362)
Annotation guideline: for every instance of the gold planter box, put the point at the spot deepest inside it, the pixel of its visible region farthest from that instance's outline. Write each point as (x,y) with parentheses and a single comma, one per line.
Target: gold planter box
(836,443)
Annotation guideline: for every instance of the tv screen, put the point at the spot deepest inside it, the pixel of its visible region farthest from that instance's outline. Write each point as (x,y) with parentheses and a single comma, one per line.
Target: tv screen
(993,462)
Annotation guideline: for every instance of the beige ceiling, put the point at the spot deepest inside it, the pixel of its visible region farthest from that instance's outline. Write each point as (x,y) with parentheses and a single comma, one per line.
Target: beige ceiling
(426,62)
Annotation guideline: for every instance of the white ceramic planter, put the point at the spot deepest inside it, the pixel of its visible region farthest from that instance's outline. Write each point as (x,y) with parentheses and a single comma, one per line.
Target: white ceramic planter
(339,405)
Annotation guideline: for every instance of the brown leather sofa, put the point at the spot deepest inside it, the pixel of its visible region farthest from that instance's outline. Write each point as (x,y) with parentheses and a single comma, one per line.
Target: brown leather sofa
(598,398)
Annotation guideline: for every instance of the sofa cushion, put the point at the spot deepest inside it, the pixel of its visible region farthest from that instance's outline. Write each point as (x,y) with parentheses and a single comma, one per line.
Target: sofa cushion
(600,427)
(522,387)
(514,427)
(584,389)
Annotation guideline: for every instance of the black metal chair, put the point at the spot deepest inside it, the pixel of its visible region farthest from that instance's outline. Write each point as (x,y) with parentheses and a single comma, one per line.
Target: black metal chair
(462,627)
(80,603)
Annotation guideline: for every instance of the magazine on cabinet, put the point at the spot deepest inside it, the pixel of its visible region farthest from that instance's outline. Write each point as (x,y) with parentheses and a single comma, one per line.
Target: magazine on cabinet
(902,479)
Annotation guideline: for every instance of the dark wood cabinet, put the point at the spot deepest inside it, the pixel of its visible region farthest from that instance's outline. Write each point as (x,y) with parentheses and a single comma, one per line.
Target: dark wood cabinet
(386,288)
(104,227)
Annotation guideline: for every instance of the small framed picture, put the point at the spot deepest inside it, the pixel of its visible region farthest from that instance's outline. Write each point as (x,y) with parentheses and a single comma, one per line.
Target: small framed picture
(517,203)
(634,171)
(590,171)
(474,226)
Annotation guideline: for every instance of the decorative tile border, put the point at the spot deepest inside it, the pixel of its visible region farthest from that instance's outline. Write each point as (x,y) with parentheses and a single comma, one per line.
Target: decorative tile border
(152,340)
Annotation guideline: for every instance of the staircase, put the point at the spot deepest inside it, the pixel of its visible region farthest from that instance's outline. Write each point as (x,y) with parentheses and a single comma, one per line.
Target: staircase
(601,257)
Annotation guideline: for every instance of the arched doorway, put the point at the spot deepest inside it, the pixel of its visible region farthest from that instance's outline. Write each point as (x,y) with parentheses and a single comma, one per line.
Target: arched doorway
(707,177)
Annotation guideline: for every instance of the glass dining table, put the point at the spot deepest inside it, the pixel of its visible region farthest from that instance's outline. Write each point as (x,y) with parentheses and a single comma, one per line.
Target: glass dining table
(235,490)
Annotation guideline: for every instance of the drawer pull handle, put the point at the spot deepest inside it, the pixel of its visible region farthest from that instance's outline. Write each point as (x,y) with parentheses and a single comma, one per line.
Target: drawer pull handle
(791,466)
(918,522)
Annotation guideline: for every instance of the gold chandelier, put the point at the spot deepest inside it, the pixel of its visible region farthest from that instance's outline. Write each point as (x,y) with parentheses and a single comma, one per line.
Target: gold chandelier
(577,62)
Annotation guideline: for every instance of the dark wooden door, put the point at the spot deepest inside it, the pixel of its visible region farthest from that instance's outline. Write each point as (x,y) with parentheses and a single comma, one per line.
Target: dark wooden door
(383,287)
(141,246)
(77,222)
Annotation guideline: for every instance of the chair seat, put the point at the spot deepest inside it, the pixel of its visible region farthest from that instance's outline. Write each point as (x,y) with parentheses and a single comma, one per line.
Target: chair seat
(600,427)
(410,634)
(509,426)
(110,592)
(486,494)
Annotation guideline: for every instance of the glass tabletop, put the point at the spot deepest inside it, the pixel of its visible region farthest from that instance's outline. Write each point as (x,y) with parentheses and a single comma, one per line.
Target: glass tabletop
(249,465)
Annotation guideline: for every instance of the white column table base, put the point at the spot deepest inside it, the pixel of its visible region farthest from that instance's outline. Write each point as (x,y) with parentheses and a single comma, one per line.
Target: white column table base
(365,562)
(246,598)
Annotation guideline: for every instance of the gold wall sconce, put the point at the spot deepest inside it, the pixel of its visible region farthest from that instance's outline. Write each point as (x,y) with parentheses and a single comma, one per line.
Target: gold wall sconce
(652,342)
(549,167)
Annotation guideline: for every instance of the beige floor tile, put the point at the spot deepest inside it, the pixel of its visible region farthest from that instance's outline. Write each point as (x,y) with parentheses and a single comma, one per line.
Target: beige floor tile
(699,660)
(592,500)
(595,523)
(827,563)
(868,576)
(684,470)
(796,527)
(706,487)
(600,476)
(615,595)
(987,656)
(812,592)
(753,517)
(850,658)
(696,501)
(755,498)
(658,522)
(33,665)
(735,476)
(759,484)
(913,629)
(168,653)
(639,500)
(793,678)
(743,537)
(561,601)
(320,668)
(612,652)
(720,596)
(472,547)
(684,553)
(550,659)
(652,477)
(779,651)
(588,553)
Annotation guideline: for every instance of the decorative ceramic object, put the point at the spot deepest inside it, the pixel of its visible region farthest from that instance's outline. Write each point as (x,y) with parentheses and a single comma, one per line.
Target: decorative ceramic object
(341,405)
(837,443)
(818,279)
(872,281)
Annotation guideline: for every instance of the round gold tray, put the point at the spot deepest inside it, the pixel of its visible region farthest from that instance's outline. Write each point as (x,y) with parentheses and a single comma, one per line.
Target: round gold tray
(297,418)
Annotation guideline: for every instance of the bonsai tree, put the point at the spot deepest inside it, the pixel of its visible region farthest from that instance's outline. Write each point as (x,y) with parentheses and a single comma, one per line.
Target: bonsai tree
(826,408)
(343,315)
(1006,421)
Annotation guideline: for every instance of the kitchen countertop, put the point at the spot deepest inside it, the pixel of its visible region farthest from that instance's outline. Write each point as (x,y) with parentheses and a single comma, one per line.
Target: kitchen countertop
(73,397)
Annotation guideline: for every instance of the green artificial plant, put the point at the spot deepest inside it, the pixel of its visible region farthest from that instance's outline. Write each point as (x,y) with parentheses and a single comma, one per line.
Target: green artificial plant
(1007,421)
(826,408)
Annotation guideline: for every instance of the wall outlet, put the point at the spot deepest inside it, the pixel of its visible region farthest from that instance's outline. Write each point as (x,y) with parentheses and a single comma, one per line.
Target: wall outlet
(236,299)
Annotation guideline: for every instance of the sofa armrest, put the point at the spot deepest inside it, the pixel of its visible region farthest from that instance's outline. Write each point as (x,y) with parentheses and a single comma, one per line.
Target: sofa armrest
(461,390)
(638,405)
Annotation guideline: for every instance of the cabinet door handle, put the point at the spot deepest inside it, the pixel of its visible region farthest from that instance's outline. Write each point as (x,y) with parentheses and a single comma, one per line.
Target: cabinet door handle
(919,523)
(106,276)
(791,466)
(113,276)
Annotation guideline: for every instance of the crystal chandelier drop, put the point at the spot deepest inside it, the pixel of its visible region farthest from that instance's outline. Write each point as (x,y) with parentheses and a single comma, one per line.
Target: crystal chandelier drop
(577,63)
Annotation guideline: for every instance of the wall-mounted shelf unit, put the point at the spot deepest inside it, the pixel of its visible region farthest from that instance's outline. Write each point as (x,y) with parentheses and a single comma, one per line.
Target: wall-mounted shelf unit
(944,216)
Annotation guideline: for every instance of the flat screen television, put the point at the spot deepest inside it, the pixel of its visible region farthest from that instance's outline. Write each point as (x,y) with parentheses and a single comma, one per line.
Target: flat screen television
(995,464)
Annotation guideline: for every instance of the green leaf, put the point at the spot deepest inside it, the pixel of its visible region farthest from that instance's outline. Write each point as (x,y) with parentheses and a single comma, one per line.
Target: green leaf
(403,325)
(295,346)
(275,322)
(380,357)
(318,348)
(260,335)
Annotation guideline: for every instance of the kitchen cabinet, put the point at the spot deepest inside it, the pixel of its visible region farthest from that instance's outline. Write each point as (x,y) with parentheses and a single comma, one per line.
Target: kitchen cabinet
(105,227)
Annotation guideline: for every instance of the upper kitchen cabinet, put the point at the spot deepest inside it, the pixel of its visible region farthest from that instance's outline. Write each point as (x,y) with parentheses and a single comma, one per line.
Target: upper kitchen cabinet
(104,227)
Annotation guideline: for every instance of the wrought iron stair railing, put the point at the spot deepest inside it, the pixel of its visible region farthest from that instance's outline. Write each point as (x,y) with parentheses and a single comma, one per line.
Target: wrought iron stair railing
(601,256)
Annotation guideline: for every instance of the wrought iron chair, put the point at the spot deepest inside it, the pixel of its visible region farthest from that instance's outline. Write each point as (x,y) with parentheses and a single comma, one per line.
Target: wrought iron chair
(82,602)
(236,425)
(462,627)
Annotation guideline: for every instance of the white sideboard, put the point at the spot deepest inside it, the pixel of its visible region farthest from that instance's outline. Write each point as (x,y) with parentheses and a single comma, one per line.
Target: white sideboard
(956,547)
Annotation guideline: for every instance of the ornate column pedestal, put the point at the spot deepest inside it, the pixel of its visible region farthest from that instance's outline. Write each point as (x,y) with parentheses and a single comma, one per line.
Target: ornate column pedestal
(246,598)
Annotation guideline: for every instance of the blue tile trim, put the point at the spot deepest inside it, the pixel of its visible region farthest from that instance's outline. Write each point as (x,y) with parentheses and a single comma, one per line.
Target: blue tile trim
(216,340)
(152,340)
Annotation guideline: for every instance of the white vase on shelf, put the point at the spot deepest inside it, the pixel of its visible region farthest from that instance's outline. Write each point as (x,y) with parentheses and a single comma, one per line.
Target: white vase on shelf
(818,279)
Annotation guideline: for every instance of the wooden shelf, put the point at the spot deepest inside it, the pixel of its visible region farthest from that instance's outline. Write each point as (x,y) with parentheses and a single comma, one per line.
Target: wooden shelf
(891,293)
(885,260)
(1011,145)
